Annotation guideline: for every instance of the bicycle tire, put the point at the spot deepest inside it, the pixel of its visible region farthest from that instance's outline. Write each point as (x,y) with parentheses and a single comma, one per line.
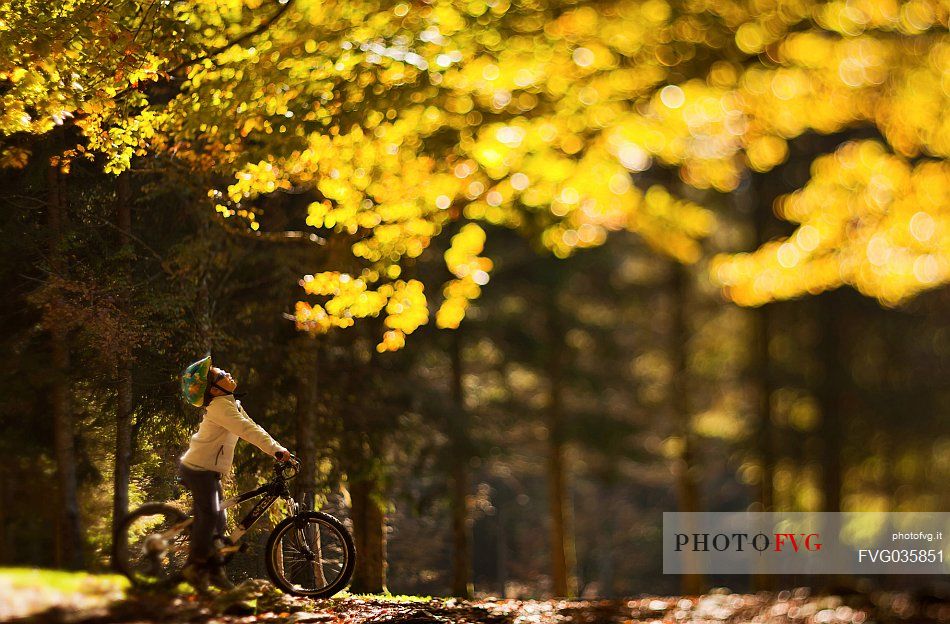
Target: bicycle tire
(278,577)
(122,563)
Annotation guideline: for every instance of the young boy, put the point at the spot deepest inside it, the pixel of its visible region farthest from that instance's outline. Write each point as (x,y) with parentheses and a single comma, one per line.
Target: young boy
(209,456)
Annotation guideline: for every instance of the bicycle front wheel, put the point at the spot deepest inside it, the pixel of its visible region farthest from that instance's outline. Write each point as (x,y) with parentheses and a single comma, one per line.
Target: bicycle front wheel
(311,554)
(150,545)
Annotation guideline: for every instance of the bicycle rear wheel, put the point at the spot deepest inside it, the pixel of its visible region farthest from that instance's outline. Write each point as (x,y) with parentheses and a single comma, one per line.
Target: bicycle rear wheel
(310,554)
(150,546)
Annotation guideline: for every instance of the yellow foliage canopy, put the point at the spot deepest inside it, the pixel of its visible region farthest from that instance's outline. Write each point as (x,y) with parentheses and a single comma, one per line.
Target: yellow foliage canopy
(401,121)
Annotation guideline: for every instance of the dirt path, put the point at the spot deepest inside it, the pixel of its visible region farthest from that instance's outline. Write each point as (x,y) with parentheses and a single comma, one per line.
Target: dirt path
(258,601)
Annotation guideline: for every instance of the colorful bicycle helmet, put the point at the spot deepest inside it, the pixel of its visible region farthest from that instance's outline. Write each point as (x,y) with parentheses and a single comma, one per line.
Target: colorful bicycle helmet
(194,381)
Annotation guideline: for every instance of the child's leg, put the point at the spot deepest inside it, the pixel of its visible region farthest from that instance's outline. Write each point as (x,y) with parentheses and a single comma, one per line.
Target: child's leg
(219,577)
(221,521)
(207,508)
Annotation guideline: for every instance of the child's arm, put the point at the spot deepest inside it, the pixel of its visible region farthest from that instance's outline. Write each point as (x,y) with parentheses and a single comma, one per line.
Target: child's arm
(226,414)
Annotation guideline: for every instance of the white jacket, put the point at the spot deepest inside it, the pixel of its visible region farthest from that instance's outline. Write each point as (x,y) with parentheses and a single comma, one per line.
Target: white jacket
(212,447)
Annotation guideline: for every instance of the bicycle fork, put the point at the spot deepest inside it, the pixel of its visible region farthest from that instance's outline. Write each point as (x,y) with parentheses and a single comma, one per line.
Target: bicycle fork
(309,539)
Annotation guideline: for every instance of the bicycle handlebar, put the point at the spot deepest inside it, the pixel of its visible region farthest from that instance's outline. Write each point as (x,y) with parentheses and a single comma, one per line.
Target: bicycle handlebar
(291,466)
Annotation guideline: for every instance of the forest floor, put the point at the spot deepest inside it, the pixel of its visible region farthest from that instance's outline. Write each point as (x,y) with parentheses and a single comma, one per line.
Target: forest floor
(44,597)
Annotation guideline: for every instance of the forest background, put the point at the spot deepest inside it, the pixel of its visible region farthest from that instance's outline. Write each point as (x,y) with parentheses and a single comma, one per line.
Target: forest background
(512,278)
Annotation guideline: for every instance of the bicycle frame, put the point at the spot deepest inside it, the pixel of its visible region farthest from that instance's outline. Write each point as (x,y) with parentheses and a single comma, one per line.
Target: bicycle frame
(271,491)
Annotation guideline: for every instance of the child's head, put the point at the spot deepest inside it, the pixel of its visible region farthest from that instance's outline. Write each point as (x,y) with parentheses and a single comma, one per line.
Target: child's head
(201,382)
(220,382)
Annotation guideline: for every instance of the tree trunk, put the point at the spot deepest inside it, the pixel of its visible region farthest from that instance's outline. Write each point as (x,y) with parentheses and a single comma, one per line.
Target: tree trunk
(562,542)
(123,425)
(501,550)
(831,398)
(763,378)
(462,586)
(765,188)
(606,560)
(369,535)
(761,325)
(306,424)
(685,469)
(70,554)
(765,448)
(6,554)
(831,395)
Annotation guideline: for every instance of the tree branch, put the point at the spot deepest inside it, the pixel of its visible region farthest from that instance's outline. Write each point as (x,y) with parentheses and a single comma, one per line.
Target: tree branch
(261,28)
(286,237)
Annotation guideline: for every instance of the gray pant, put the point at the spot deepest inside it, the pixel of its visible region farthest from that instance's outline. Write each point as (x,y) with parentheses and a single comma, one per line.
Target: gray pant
(210,519)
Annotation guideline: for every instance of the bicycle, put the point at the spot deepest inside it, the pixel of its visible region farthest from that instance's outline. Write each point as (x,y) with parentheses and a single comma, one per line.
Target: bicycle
(309,553)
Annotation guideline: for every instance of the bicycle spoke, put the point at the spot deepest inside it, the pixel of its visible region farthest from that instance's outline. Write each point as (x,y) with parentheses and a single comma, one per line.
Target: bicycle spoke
(295,544)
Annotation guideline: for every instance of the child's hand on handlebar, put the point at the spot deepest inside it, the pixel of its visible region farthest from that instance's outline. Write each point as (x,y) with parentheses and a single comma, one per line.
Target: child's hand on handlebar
(283,456)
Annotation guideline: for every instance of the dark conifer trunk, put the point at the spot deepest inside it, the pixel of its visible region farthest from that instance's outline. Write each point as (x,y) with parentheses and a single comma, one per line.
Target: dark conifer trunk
(761,360)
(6,552)
(765,448)
(501,550)
(685,469)
(306,420)
(762,322)
(123,426)
(461,513)
(70,543)
(562,541)
(764,190)
(832,390)
(831,393)
(369,536)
